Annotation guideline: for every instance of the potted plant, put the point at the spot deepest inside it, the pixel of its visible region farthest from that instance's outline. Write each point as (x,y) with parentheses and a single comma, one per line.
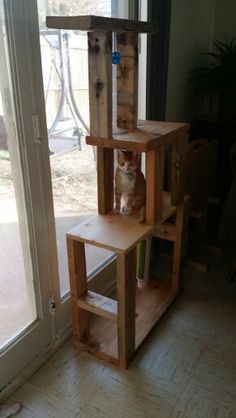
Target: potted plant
(217,79)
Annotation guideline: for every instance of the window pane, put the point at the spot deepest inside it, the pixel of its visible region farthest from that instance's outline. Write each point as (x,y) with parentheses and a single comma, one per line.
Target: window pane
(17,298)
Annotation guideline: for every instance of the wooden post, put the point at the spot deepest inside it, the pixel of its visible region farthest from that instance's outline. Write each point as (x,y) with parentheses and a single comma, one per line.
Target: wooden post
(127,80)
(100,105)
(178,170)
(126,287)
(155,182)
(176,272)
(78,285)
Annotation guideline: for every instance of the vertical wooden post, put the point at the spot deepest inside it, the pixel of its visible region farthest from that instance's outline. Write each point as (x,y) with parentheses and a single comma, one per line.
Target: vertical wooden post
(78,285)
(126,287)
(155,183)
(178,169)
(127,80)
(176,272)
(100,106)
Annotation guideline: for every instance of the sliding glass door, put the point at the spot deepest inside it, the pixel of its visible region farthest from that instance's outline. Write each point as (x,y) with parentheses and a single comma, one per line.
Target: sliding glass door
(26,326)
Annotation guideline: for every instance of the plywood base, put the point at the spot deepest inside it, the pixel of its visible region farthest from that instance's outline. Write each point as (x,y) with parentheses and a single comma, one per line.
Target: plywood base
(151,303)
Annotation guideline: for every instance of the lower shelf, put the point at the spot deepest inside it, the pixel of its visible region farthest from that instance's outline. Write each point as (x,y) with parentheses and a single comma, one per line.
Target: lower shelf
(151,303)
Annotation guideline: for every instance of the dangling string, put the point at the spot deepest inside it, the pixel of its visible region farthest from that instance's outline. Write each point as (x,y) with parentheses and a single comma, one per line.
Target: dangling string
(116,57)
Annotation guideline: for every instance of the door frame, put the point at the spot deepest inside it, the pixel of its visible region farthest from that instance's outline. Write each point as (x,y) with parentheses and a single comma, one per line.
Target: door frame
(34,340)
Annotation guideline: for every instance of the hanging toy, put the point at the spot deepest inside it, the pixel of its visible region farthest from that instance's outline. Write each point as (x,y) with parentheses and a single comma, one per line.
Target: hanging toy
(116,57)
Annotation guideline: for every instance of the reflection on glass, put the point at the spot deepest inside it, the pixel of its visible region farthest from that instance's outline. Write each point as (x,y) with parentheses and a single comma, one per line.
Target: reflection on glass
(17,299)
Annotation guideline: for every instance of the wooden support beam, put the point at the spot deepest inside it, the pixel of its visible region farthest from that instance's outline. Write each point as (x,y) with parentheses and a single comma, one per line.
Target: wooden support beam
(127,80)
(178,169)
(99,305)
(126,288)
(177,256)
(78,285)
(155,183)
(100,105)
(105,167)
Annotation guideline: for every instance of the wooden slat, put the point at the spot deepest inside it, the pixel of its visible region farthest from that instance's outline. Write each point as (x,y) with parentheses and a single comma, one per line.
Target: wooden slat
(149,135)
(165,231)
(78,285)
(155,182)
(127,80)
(178,170)
(99,305)
(99,23)
(126,284)
(100,106)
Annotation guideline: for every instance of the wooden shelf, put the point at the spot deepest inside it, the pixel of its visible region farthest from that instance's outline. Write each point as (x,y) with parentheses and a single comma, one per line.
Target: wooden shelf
(99,23)
(149,135)
(99,305)
(151,303)
(117,232)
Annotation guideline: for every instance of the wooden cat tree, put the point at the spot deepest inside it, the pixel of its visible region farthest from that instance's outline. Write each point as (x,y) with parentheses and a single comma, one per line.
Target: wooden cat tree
(119,325)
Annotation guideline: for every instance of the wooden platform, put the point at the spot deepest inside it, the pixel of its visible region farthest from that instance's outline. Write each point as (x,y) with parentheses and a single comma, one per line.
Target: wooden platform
(149,135)
(99,23)
(117,232)
(151,303)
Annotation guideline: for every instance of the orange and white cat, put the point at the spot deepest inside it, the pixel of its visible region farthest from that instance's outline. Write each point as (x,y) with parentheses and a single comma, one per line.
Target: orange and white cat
(130,185)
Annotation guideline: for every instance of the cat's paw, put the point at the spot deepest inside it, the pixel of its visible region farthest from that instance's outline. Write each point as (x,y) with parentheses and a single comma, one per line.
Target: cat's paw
(128,211)
(115,211)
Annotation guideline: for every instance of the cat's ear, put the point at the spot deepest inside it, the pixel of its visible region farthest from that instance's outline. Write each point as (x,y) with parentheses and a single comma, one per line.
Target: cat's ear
(120,152)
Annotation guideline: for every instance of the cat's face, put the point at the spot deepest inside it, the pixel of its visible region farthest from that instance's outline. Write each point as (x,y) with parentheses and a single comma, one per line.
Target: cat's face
(127,161)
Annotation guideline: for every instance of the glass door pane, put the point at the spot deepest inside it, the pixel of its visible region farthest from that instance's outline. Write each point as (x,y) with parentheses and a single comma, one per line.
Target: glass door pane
(17,296)
(73,163)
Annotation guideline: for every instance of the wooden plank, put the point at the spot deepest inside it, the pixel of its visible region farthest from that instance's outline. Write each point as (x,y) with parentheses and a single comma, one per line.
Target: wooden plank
(151,304)
(178,170)
(155,183)
(99,23)
(100,106)
(100,83)
(149,135)
(176,271)
(99,305)
(78,286)
(116,232)
(105,187)
(126,284)
(127,80)
(165,231)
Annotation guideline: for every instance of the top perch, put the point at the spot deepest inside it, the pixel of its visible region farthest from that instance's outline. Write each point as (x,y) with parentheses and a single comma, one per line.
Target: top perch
(99,23)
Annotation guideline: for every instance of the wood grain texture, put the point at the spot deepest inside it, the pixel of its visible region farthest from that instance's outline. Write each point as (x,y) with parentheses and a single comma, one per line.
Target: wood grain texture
(99,23)
(117,232)
(186,369)
(149,135)
(99,305)
(100,109)
(127,81)
(179,169)
(155,183)
(105,164)
(78,286)
(126,285)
